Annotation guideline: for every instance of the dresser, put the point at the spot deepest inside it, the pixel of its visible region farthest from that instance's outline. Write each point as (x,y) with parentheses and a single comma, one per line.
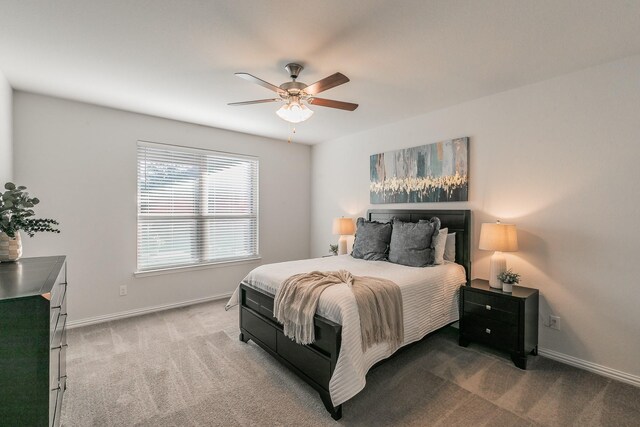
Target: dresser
(505,321)
(33,343)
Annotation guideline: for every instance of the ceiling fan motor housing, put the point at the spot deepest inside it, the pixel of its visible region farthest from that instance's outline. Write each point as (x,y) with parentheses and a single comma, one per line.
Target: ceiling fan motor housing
(293,88)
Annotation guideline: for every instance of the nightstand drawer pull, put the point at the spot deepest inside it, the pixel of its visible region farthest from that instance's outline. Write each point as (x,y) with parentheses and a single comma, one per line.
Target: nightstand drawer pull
(488,307)
(488,330)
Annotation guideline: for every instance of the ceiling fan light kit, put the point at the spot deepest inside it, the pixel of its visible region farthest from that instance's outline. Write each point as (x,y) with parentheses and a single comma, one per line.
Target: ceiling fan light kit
(294,112)
(294,94)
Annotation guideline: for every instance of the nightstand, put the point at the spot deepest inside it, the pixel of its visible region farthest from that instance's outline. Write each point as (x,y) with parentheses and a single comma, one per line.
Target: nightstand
(506,321)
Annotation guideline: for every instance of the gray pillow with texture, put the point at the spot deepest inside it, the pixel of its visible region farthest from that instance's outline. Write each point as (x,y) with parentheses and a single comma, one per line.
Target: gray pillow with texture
(412,243)
(372,240)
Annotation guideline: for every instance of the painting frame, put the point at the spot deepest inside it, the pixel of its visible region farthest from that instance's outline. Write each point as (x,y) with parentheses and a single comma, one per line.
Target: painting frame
(430,173)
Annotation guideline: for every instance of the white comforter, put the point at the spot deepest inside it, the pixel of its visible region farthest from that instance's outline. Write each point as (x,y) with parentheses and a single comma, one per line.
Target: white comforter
(429,297)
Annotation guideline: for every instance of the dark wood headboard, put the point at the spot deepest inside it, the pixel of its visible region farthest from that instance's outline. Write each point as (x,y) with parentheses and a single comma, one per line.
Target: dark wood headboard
(457,221)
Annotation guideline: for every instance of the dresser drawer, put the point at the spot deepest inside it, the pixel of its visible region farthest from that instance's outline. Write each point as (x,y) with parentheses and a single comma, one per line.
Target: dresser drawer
(53,399)
(59,288)
(57,353)
(58,406)
(55,402)
(499,334)
(62,277)
(495,302)
(58,316)
(54,368)
(62,368)
(58,296)
(59,331)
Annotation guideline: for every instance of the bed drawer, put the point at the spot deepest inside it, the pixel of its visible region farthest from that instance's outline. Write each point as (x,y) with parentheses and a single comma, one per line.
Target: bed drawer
(251,299)
(258,302)
(316,366)
(260,329)
(325,338)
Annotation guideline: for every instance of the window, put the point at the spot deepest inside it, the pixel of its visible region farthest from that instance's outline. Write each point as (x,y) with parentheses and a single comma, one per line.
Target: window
(195,206)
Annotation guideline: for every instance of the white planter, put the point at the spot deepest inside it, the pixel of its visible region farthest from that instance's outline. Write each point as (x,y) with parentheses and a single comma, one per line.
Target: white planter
(10,248)
(507,287)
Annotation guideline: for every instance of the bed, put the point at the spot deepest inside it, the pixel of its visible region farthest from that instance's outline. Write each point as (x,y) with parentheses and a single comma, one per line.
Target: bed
(335,364)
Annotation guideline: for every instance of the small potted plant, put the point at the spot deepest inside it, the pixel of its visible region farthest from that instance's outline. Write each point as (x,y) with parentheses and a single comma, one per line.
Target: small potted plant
(508,279)
(16,214)
(333,249)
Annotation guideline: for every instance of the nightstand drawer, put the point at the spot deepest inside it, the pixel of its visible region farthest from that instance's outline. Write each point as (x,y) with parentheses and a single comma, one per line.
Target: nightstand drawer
(495,302)
(493,332)
(490,311)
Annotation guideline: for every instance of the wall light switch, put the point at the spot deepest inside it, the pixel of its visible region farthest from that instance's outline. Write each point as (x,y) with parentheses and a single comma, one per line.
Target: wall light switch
(123,290)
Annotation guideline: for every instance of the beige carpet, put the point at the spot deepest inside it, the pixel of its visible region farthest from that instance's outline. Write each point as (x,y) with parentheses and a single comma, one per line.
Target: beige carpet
(186,367)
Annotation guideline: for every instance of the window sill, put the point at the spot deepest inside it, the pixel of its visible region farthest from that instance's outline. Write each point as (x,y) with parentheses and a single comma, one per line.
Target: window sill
(172,270)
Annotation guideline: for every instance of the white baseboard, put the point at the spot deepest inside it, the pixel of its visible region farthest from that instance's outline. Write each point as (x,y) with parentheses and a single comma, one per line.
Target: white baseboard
(591,367)
(140,311)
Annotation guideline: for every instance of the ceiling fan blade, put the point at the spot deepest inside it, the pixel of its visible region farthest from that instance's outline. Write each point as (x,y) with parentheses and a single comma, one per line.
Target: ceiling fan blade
(257,101)
(254,79)
(327,83)
(333,104)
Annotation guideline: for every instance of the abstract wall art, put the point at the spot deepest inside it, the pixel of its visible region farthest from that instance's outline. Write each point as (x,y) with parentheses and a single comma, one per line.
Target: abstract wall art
(429,173)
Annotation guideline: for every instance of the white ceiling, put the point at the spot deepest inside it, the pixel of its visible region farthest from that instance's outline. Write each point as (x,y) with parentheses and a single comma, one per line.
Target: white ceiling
(176,59)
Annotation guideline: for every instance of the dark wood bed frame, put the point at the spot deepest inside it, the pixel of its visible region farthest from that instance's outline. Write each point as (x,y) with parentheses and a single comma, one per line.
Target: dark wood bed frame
(316,362)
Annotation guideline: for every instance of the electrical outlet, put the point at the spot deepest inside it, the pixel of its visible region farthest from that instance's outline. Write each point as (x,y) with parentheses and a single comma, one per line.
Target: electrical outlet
(554,322)
(123,290)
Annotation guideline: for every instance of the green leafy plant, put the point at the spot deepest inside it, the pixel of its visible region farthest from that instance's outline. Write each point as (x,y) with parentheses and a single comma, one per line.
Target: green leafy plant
(16,213)
(509,277)
(333,249)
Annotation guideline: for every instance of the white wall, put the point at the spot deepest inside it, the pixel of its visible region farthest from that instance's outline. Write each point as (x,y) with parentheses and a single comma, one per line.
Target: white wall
(6,126)
(561,160)
(80,160)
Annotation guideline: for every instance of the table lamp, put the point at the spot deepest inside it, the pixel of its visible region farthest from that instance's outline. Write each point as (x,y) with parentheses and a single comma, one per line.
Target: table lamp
(343,227)
(499,238)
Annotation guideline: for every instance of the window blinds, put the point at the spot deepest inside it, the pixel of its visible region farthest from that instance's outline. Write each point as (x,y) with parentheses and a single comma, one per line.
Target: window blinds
(195,206)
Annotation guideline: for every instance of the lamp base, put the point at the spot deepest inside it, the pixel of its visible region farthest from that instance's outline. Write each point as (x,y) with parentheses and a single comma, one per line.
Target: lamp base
(498,265)
(342,245)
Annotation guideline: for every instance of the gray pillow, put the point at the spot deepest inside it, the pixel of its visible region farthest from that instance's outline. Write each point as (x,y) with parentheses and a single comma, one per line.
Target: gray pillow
(450,248)
(412,243)
(372,240)
(439,243)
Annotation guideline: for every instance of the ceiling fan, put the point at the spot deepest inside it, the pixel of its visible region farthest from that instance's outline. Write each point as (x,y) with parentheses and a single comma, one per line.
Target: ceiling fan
(294,94)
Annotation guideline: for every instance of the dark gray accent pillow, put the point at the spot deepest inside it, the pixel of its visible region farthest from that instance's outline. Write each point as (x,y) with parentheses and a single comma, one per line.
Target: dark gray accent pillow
(412,243)
(372,240)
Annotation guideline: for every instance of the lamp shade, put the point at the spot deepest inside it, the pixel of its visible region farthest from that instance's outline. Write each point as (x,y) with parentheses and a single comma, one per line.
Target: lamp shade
(498,237)
(343,226)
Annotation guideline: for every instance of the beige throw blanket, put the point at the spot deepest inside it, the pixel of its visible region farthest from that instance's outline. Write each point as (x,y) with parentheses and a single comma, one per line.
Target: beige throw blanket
(379,304)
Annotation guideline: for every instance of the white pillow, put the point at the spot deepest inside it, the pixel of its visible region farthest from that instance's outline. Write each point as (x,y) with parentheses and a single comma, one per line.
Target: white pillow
(439,247)
(450,248)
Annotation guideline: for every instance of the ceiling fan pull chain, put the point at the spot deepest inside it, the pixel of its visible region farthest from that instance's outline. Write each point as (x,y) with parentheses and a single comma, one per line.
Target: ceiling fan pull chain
(293,132)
